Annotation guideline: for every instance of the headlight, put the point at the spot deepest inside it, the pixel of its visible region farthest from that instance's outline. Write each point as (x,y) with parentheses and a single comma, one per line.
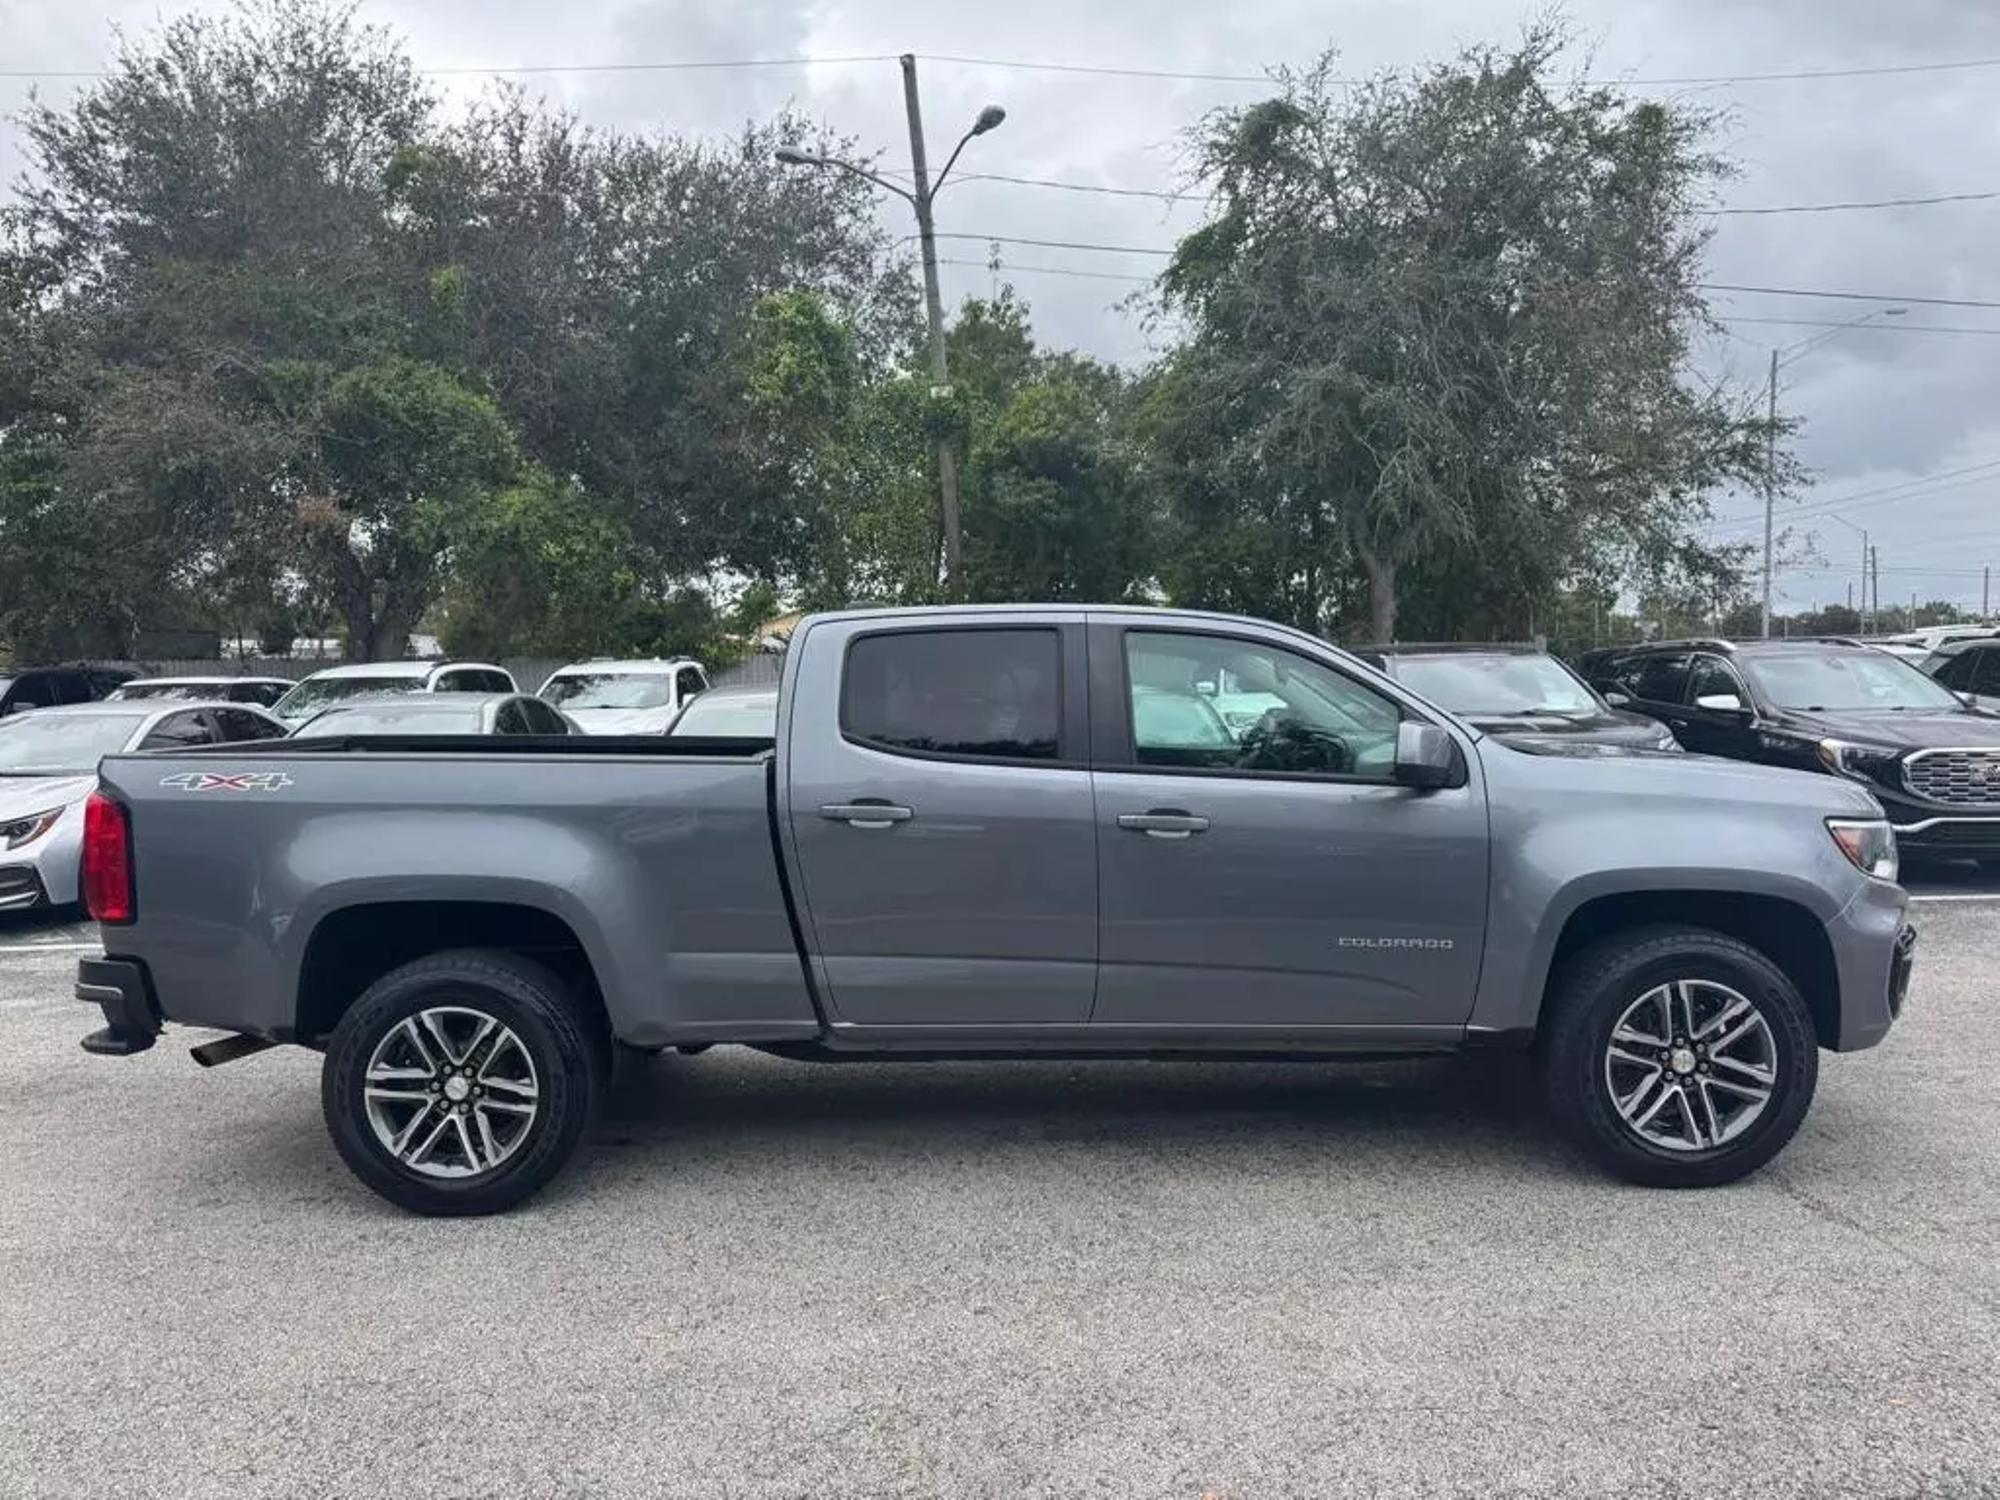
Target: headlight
(1869,844)
(26,830)
(1863,761)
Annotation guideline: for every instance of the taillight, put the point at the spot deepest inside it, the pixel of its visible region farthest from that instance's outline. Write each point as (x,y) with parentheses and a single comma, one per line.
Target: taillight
(107,859)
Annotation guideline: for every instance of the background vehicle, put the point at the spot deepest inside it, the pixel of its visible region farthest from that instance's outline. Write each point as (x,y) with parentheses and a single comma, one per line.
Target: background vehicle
(438,713)
(383,678)
(624,697)
(1517,691)
(48,765)
(730,713)
(50,687)
(1833,706)
(972,837)
(262,691)
(1968,666)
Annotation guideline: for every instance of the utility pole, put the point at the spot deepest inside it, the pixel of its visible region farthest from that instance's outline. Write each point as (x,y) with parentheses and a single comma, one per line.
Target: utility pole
(1770,481)
(947,458)
(1864,583)
(920,195)
(1875,581)
(1986,593)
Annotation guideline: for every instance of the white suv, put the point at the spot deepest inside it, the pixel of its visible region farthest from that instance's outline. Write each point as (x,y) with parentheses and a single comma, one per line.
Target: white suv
(624,697)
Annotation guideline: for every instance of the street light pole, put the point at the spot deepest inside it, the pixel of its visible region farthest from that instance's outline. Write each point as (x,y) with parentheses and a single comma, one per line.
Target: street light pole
(920,196)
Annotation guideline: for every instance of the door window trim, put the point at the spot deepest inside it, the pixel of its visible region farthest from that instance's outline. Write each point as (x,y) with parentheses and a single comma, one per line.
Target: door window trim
(1111,748)
(1072,735)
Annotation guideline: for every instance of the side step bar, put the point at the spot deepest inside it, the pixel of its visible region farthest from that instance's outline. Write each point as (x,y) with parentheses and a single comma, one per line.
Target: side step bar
(227,1049)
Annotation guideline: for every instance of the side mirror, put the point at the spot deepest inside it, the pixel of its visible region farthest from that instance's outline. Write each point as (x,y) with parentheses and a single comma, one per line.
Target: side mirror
(1721,703)
(1426,758)
(1205,687)
(1617,697)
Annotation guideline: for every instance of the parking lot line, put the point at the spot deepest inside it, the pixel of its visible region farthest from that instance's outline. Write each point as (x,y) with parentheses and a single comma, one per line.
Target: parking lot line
(50,947)
(1965,896)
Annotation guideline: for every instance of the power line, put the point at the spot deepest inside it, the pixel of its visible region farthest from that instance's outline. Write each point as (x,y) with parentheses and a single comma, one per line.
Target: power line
(1004,239)
(1793,291)
(1906,489)
(1834,208)
(1865,328)
(1168,195)
(1005,268)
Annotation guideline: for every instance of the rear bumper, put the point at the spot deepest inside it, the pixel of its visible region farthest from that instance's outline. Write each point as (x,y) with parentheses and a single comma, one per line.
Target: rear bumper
(122,990)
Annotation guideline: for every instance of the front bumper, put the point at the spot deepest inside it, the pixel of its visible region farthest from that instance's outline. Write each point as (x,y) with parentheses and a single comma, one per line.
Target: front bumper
(21,888)
(1946,835)
(121,988)
(1874,948)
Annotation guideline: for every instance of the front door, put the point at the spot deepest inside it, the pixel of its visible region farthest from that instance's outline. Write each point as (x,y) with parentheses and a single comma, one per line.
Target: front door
(1258,866)
(1709,728)
(940,809)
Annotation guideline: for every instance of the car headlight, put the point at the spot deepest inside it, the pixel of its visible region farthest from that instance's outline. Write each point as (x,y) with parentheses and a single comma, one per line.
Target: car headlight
(1868,843)
(1865,762)
(26,830)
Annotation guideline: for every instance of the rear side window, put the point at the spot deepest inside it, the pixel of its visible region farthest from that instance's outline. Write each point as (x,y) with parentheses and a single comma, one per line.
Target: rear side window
(990,694)
(38,690)
(178,730)
(238,725)
(1986,676)
(1657,679)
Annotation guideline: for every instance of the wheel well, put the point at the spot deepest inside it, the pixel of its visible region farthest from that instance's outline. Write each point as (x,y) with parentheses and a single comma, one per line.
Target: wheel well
(1783,931)
(352,948)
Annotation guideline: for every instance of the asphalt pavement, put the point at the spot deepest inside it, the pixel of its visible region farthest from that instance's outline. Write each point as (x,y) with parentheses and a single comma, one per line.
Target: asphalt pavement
(1120,1279)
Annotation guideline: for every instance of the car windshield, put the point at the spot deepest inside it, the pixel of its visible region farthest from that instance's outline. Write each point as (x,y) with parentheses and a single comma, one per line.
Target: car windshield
(62,744)
(392,718)
(574,690)
(754,716)
(173,691)
(1497,682)
(316,693)
(1857,680)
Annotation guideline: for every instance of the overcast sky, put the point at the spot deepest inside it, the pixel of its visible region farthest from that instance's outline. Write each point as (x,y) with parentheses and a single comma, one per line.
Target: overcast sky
(1882,409)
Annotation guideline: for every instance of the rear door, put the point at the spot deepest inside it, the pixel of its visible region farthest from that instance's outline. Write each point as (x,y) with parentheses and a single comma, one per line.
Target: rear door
(939,807)
(1263,871)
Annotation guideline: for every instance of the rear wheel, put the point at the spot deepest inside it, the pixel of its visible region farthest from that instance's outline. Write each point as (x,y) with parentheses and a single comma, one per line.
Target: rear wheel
(460,1083)
(1679,1057)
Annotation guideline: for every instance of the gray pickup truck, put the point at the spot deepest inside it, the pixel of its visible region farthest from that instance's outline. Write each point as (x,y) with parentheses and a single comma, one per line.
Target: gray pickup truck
(999,832)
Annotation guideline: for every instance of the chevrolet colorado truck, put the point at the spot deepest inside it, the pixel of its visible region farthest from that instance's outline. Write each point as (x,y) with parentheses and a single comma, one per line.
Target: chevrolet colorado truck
(998,832)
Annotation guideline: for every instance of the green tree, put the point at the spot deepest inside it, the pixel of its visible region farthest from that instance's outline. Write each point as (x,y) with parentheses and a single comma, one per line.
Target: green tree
(1438,328)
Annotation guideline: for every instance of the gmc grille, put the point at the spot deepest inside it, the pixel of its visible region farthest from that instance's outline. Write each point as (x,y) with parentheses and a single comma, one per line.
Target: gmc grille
(1961,778)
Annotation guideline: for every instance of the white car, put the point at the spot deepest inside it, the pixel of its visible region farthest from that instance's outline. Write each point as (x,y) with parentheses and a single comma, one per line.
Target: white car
(376,679)
(624,697)
(48,766)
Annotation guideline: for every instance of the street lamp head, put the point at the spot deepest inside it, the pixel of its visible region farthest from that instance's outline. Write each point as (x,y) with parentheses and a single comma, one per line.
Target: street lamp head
(989,119)
(791,156)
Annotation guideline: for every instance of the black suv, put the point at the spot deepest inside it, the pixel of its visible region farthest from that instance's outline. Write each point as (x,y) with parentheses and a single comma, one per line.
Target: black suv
(1931,760)
(51,687)
(1518,693)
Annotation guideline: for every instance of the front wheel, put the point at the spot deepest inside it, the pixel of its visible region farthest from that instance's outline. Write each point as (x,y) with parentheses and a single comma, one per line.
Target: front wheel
(460,1083)
(1679,1057)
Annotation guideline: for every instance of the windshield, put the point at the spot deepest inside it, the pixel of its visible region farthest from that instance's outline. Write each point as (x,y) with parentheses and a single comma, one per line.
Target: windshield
(392,718)
(575,690)
(1498,683)
(1852,681)
(755,717)
(62,744)
(316,693)
(178,692)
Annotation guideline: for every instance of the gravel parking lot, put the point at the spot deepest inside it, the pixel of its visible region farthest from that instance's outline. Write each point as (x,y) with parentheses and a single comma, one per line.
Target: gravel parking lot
(771,1278)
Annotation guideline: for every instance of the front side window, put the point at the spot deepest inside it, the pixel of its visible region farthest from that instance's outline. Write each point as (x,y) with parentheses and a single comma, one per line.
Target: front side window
(1713,678)
(1210,703)
(690,682)
(1656,679)
(1986,677)
(994,694)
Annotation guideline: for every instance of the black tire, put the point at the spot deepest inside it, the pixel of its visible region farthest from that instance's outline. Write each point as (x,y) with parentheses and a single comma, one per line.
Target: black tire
(1595,988)
(526,998)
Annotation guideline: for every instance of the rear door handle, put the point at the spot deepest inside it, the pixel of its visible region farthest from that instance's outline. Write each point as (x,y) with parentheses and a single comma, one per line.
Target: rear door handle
(1164,823)
(866,813)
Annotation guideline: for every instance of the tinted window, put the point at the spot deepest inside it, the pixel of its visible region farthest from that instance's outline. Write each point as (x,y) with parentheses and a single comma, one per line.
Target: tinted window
(1713,676)
(511,720)
(689,682)
(179,730)
(1986,677)
(1955,672)
(1218,704)
(238,725)
(37,690)
(76,687)
(263,694)
(993,693)
(1657,679)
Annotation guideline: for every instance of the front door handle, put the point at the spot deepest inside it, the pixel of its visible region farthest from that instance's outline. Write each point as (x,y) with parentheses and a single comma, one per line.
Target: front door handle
(1164,823)
(866,813)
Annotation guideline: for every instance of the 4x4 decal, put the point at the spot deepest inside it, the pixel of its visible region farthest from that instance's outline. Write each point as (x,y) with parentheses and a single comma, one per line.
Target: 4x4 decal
(227,781)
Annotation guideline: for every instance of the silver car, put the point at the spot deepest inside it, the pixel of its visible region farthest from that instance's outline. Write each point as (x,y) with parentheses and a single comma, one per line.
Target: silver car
(48,766)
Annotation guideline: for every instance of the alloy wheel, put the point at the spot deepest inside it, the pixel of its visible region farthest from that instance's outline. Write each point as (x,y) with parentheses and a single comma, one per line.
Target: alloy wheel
(451,1092)
(1691,1065)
